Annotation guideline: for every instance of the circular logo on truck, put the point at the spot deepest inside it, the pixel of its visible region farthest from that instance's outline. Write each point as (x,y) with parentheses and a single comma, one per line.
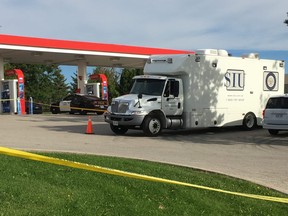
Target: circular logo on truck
(270,81)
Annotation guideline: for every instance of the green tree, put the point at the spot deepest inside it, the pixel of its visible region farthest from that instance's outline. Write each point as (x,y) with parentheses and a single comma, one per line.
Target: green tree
(126,80)
(73,86)
(44,83)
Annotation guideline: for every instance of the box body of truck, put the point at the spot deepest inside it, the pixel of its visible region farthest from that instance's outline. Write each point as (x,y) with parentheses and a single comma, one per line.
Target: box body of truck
(207,89)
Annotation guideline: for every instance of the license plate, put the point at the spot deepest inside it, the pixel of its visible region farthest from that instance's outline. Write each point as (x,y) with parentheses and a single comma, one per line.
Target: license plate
(279,115)
(102,107)
(115,123)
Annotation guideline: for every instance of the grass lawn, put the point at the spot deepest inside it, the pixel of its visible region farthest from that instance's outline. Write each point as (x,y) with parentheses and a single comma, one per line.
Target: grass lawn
(35,188)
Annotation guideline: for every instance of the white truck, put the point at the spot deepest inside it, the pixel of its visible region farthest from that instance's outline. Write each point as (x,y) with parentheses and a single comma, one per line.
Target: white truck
(208,88)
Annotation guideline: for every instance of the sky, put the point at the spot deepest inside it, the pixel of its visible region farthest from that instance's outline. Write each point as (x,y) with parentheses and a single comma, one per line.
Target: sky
(237,26)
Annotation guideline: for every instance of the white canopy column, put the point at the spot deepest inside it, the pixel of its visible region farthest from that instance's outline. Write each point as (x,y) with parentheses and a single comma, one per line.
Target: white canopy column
(1,68)
(82,76)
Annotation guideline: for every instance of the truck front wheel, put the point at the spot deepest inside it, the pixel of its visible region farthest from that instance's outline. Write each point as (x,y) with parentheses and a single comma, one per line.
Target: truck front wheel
(152,126)
(119,130)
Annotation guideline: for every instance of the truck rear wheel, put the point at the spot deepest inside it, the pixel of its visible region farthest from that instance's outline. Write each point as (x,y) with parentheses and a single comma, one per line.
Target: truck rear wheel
(119,130)
(249,121)
(152,126)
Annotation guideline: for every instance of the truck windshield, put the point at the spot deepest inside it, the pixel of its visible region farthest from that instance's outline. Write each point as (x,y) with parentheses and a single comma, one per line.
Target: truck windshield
(148,87)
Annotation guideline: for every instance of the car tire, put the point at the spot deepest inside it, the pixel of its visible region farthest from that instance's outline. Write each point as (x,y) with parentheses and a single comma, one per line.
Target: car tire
(83,112)
(119,130)
(273,132)
(55,110)
(249,121)
(152,125)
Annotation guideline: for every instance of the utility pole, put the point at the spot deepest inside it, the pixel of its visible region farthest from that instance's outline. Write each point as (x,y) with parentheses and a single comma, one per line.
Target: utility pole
(286,21)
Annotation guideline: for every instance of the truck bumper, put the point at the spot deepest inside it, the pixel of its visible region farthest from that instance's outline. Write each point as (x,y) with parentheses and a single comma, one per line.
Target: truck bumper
(125,120)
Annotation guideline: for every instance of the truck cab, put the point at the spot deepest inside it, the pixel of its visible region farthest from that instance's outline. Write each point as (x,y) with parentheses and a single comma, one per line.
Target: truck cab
(154,103)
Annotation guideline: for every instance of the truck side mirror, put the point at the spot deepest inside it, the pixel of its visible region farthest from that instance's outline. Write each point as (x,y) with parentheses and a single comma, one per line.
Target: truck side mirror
(139,97)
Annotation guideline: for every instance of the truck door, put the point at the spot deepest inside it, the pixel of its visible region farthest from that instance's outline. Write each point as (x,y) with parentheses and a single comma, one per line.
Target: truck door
(172,103)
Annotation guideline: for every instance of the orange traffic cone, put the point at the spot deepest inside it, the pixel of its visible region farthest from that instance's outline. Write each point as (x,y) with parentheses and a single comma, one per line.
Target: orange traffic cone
(89,129)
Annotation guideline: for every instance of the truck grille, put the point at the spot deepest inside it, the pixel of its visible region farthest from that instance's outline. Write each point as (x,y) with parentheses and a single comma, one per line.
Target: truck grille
(119,107)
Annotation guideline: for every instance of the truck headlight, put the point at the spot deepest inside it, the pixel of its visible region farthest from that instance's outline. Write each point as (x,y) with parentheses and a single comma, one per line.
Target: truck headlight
(140,112)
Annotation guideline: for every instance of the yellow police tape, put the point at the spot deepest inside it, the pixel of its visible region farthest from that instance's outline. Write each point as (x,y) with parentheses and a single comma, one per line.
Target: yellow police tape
(37,157)
(64,107)
(3,100)
(78,108)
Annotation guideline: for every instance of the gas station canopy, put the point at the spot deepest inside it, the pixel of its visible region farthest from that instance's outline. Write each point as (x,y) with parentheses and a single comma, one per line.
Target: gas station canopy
(30,50)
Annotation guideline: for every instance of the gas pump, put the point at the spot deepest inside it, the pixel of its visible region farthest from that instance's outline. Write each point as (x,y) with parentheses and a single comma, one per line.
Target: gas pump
(104,85)
(9,96)
(12,93)
(93,89)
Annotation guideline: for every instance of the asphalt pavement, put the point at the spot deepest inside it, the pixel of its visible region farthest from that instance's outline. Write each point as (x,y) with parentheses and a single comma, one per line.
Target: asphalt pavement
(251,155)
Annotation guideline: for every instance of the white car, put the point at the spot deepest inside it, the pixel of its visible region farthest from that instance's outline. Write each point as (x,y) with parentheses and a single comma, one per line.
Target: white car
(275,115)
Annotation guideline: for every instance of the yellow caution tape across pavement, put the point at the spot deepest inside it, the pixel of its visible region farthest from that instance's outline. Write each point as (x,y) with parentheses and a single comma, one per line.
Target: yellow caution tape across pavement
(94,168)
(3,100)
(78,108)
(65,107)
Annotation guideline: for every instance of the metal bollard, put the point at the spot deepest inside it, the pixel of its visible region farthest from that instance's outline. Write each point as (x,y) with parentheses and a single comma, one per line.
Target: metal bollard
(31,105)
(18,106)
